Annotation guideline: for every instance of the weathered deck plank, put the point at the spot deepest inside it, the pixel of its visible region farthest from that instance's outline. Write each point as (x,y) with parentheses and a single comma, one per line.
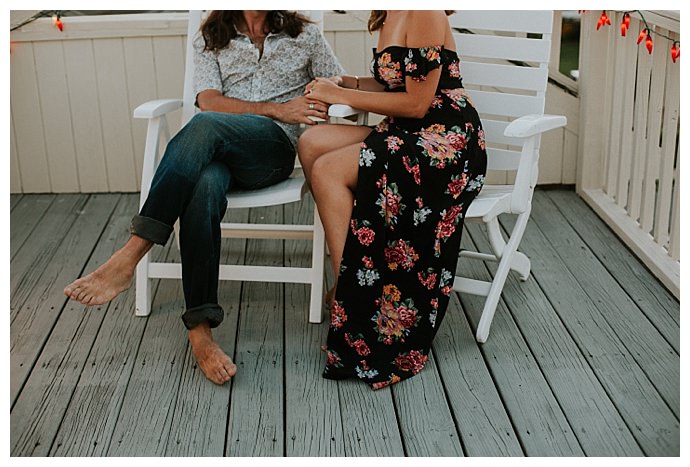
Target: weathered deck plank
(42,245)
(594,419)
(537,417)
(99,395)
(40,407)
(148,408)
(660,306)
(369,422)
(39,301)
(313,426)
(483,423)
(256,425)
(655,356)
(15,198)
(652,423)
(25,214)
(425,420)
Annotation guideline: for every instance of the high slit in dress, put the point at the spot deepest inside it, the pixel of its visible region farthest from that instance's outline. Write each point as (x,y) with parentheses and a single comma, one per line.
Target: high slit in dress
(416,179)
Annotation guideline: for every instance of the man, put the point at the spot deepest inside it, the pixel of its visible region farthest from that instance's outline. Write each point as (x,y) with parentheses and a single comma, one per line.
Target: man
(251,68)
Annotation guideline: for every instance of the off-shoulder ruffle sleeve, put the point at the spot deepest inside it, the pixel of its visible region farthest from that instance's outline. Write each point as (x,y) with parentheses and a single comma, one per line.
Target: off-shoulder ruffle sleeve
(419,62)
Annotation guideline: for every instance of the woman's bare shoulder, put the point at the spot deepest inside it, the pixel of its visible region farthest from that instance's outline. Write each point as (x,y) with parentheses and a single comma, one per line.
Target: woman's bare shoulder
(425,27)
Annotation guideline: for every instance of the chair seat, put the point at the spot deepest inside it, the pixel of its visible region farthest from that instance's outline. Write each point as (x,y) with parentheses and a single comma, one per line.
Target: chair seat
(491,201)
(287,191)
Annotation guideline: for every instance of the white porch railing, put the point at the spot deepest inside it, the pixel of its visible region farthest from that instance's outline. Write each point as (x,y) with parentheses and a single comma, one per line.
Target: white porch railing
(629,165)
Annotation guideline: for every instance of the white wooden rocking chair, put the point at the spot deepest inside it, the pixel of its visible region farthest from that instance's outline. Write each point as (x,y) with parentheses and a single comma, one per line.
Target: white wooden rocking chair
(291,190)
(506,74)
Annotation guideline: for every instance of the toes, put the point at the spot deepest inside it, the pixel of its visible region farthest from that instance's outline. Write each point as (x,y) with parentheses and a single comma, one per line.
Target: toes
(223,376)
(81,296)
(230,368)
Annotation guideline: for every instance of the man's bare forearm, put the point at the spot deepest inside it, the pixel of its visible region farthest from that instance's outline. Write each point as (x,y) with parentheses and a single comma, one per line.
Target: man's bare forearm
(220,103)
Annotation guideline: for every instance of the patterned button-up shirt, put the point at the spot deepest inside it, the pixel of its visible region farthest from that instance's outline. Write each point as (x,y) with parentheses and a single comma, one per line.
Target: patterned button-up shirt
(287,65)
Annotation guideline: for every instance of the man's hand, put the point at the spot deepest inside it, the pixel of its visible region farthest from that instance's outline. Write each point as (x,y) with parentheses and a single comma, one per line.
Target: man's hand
(301,110)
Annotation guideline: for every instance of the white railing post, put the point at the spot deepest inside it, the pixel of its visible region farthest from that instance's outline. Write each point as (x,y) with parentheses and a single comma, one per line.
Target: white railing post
(594,67)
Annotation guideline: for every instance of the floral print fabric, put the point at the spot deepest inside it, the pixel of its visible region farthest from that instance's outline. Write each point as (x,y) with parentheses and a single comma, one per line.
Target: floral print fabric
(417,177)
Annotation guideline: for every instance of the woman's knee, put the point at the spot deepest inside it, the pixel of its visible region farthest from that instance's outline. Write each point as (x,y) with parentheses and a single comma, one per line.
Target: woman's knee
(308,147)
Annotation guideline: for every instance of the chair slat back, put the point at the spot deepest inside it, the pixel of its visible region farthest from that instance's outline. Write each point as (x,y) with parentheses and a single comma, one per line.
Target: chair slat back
(504,58)
(526,21)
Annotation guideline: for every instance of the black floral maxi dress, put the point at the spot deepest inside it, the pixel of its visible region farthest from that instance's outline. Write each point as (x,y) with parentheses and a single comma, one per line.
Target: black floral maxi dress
(416,179)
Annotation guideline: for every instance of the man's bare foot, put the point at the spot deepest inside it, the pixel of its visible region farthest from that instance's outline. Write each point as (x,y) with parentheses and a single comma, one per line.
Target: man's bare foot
(112,277)
(214,363)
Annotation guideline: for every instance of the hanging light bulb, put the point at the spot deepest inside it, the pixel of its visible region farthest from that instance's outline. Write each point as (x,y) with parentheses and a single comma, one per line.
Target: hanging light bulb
(57,22)
(648,42)
(625,24)
(675,51)
(642,35)
(603,20)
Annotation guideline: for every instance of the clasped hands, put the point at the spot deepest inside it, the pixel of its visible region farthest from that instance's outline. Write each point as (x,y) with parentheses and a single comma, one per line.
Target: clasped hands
(318,95)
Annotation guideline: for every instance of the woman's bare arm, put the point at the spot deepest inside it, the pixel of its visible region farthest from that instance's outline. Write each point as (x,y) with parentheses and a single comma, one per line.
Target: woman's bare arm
(424,28)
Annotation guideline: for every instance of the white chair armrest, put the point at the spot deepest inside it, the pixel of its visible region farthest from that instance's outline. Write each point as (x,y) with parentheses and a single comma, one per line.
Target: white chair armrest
(530,125)
(343,111)
(157,108)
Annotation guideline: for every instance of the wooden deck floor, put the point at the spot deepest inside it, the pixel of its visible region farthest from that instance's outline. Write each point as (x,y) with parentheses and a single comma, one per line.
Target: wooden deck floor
(582,360)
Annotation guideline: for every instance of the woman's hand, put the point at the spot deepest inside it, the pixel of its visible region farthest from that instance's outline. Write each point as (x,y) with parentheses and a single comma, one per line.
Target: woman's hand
(325,90)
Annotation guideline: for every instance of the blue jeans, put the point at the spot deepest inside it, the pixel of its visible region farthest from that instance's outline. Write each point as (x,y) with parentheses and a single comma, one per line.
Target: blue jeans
(213,153)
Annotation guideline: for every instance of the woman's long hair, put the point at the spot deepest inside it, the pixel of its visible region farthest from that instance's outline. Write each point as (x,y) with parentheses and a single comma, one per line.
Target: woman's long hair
(220,27)
(378,17)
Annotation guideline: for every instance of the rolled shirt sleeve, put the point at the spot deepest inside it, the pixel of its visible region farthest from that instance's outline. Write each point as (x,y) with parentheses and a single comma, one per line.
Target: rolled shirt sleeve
(207,73)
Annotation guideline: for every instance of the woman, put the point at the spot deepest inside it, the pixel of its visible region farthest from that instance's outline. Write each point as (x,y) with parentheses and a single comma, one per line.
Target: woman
(251,68)
(392,199)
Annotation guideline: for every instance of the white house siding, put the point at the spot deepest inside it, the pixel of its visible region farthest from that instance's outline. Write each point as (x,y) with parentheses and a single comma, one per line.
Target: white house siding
(73,94)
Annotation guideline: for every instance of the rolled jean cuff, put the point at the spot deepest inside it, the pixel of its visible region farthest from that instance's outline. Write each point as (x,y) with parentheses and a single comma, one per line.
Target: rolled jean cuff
(210,312)
(150,229)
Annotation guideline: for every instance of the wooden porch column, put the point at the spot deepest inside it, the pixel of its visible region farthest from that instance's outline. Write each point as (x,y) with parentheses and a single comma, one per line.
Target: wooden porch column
(595,81)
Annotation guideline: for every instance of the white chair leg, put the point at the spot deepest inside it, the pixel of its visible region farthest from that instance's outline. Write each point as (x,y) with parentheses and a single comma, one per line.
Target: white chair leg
(176,230)
(520,263)
(142,302)
(508,256)
(317,270)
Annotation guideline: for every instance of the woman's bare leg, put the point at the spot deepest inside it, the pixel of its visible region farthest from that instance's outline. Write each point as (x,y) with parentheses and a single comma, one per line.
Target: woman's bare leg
(334,179)
(112,277)
(314,143)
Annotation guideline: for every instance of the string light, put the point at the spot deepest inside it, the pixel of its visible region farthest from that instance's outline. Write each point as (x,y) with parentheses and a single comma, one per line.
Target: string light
(55,14)
(645,34)
(625,24)
(57,22)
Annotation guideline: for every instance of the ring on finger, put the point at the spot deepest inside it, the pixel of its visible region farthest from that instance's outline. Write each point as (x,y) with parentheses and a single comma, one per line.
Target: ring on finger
(311,106)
